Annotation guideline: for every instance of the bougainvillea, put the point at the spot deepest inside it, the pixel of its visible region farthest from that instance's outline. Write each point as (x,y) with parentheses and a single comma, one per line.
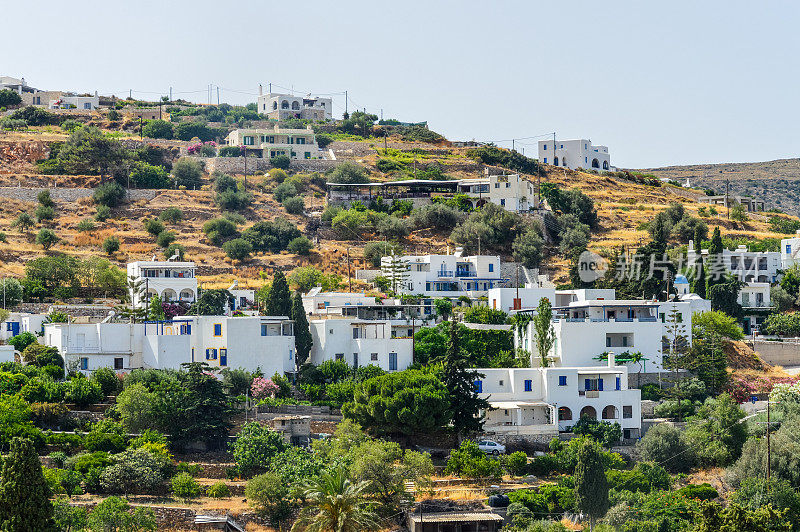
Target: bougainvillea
(263,388)
(743,387)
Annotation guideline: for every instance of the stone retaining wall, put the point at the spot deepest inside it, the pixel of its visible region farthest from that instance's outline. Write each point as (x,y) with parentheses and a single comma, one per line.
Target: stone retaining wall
(235,165)
(68,194)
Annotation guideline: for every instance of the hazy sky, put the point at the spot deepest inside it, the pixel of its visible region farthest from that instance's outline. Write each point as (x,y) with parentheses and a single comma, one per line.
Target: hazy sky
(658,82)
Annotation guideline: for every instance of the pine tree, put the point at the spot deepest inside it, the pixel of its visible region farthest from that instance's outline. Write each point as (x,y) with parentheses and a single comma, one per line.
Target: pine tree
(24,493)
(591,486)
(460,382)
(156,311)
(302,335)
(279,302)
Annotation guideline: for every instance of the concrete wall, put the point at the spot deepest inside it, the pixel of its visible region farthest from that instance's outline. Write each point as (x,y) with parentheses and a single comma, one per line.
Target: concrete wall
(777,353)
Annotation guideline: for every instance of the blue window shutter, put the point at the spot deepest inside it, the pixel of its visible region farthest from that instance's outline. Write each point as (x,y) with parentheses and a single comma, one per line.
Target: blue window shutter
(600,385)
(587,385)
(208,354)
(479,386)
(528,385)
(619,383)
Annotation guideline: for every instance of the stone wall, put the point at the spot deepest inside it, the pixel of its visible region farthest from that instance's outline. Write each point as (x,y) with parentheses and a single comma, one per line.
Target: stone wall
(67,194)
(235,165)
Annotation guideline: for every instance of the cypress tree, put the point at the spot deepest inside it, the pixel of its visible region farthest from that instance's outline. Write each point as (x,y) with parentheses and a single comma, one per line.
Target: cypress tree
(279,302)
(699,281)
(302,335)
(24,493)
(591,486)
(460,382)
(715,261)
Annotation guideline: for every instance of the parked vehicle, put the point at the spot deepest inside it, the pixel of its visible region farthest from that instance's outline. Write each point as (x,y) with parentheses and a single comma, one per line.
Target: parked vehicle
(491,447)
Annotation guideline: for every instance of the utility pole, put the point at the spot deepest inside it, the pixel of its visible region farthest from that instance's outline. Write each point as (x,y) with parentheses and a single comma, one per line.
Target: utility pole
(345,103)
(170,94)
(141,127)
(513,145)
(727,199)
(769,453)
(554,146)
(517,302)
(385,149)
(130,94)
(349,279)
(217,94)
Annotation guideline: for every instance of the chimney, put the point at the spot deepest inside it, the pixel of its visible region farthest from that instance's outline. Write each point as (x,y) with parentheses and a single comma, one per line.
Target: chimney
(611,360)
(260,89)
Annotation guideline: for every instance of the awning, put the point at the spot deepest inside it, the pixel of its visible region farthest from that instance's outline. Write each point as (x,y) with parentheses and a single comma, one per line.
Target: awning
(512,405)
(454,517)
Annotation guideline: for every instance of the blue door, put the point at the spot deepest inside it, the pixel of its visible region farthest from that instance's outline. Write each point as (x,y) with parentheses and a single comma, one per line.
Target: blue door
(223,357)
(14,328)
(600,385)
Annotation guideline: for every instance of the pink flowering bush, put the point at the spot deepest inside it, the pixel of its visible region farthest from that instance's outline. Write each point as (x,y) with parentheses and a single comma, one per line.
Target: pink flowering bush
(208,149)
(263,388)
(741,388)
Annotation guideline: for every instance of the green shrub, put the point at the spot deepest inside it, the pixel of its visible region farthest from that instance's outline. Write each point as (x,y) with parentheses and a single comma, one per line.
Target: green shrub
(666,445)
(165,238)
(171,215)
(516,463)
(43,213)
(107,380)
(134,471)
(300,245)
(103,213)
(158,129)
(230,151)
(47,238)
(111,245)
(83,392)
(153,226)
(469,461)
(109,194)
(106,435)
(237,249)
(234,200)
(255,447)
(218,490)
(219,230)
(144,175)
(704,491)
(294,205)
(188,172)
(85,225)
(185,486)
(174,248)
(284,191)
(281,161)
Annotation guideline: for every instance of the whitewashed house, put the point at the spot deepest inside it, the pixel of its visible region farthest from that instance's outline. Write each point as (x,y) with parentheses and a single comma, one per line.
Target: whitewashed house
(574,154)
(265,342)
(361,343)
(172,281)
(271,142)
(278,106)
(790,251)
(543,401)
(449,276)
(747,266)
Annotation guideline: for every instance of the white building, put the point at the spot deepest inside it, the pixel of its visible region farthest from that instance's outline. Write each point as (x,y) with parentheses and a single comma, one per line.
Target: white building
(790,251)
(73,101)
(318,302)
(747,266)
(265,342)
(586,329)
(271,142)
(544,401)
(511,192)
(509,299)
(756,305)
(169,280)
(574,154)
(450,276)
(282,106)
(361,343)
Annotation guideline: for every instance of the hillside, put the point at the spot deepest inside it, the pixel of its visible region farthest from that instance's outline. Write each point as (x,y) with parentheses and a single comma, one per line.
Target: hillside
(776,182)
(623,207)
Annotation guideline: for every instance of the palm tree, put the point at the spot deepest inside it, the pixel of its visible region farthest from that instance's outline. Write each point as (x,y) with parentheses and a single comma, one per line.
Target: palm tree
(333,503)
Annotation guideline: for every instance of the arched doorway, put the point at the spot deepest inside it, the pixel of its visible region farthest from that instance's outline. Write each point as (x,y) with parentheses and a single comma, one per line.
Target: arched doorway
(284,104)
(169,295)
(564,413)
(555,161)
(589,411)
(610,412)
(187,294)
(295,106)
(595,163)
(605,165)
(274,106)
